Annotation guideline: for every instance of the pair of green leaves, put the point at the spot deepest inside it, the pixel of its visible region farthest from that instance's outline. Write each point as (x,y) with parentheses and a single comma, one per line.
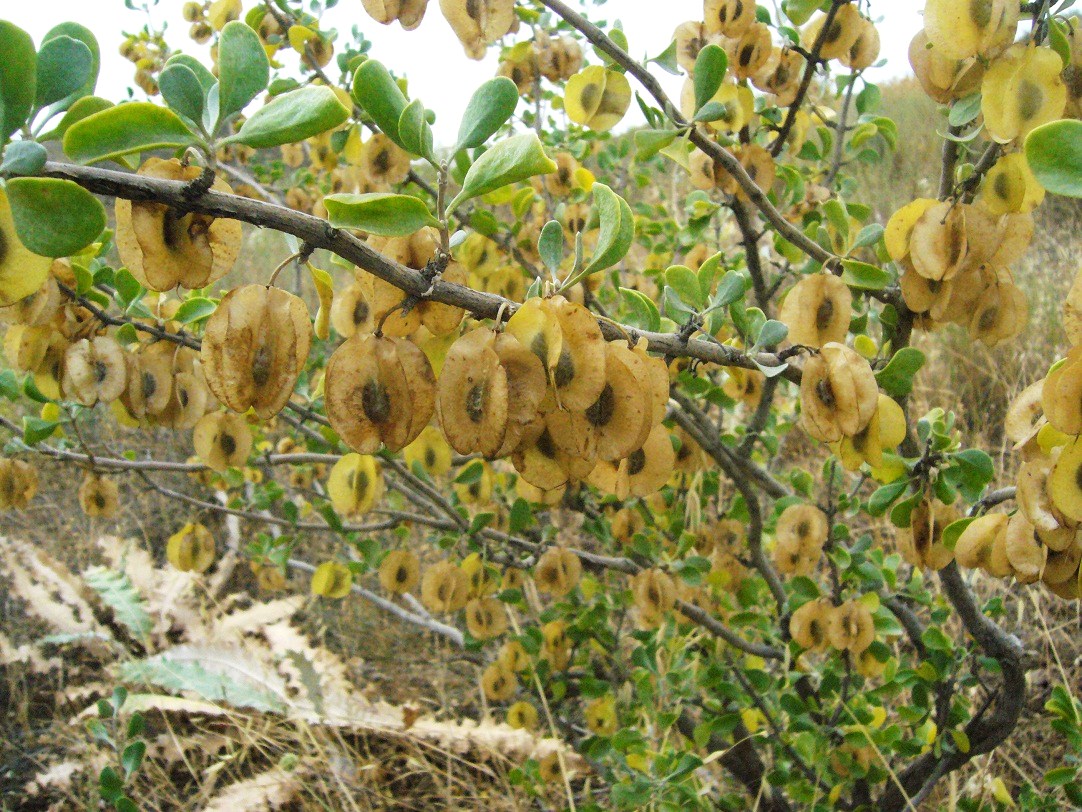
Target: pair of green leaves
(199,104)
(405,122)
(50,79)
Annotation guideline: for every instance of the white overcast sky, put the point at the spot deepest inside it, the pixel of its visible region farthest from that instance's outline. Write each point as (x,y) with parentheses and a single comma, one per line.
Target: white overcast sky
(438,70)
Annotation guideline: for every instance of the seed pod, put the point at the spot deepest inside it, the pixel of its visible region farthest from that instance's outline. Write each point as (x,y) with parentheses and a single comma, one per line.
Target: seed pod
(865,48)
(809,625)
(483,576)
(642,472)
(1063,565)
(526,388)
(839,38)
(655,594)
(351,310)
(479,23)
(21,271)
(556,647)
(1033,500)
(817,310)
(975,546)
(379,390)
(1025,552)
(430,450)
(601,716)
(99,497)
(163,247)
(851,627)
(191,549)
(150,380)
(1061,395)
(1010,186)
(400,571)
(597,98)
(886,430)
(486,618)
(1000,313)
(1065,481)
(729,18)
(18,484)
(622,417)
(557,572)
(514,656)
(943,78)
(961,30)
(355,485)
(94,370)
(444,588)
(838,393)
(558,59)
(25,347)
(498,683)
(939,242)
(801,532)
(781,75)
(269,577)
(255,345)
(332,579)
(749,52)
(472,399)
(926,548)
(522,716)
(222,440)
(188,402)
(39,309)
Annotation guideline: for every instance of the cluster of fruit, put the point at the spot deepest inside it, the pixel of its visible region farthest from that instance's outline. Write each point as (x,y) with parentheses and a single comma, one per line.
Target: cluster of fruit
(954,259)
(554,58)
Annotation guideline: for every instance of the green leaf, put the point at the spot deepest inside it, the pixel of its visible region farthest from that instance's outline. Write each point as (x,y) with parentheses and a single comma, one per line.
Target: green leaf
(124,129)
(85,36)
(617,229)
(182,91)
(243,68)
(686,284)
(84,107)
(17,78)
(292,117)
(644,313)
(711,111)
(491,105)
(977,468)
(667,60)
(23,158)
(132,756)
(110,786)
(382,213)
(710,67)
(861,275)
(509,161)
(965,110)
(800,11)
(195,309)
(550,245)
(414,130)
(127,287)
(1054,152)
(649,143)
(730,289)
(205,77)
(64,65)
(36,429)
(378,93)
(884,497)
(772,334)
(53,217)
(896,378)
